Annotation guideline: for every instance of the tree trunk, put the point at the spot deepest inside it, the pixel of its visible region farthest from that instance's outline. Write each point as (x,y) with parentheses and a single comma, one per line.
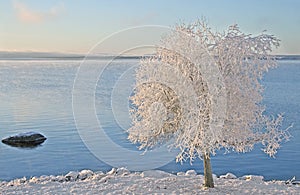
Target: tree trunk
(208,179)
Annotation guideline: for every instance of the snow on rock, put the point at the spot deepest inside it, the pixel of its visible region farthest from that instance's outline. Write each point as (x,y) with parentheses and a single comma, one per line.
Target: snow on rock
(25,134)
(99,172)
(21,180)
(17,182)
(253,177)
(228,176)
(53,178)
(191,173)
(98,175)
(85,174)
(105,179)
(147,182)
(122,171)
(156,174)
(72,176)
(296,183)
(34,180)
(112,171)
(180,174)
(61,178)
(293,181)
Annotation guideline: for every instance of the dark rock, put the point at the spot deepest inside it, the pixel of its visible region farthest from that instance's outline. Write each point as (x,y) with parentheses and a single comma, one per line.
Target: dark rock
(28,139)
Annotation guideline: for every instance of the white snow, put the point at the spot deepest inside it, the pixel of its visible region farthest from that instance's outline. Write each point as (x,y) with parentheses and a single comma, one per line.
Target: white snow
(26,134)
(228,176)
(180,174)
(72,176)
(253,177)
(191,172)
(85,174)
(121,181)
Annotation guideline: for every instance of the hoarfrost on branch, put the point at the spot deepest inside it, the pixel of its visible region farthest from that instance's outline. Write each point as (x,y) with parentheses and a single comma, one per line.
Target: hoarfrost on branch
(175,98)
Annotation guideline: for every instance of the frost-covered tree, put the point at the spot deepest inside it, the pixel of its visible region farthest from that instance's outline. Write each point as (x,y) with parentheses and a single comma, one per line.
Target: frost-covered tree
(201,92)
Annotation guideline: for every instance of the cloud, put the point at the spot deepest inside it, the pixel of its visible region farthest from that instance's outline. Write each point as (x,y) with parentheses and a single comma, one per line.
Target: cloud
(27,15)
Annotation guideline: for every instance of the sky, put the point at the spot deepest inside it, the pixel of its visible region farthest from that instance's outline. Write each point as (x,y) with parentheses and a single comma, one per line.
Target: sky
(76,26)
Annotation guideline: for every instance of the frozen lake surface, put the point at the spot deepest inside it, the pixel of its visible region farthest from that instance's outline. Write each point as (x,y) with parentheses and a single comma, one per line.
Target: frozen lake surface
(36,95)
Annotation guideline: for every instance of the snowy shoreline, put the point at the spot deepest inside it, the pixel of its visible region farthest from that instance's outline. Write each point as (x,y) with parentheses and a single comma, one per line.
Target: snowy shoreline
(122,181)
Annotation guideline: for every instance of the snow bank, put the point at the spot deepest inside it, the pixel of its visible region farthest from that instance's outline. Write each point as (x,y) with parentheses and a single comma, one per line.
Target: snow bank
(121,181)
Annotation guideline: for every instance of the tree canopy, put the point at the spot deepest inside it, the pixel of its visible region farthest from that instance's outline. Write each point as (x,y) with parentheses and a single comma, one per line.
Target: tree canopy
(202,91)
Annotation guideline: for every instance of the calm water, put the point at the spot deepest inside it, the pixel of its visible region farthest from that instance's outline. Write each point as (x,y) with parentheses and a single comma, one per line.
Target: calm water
(36,95)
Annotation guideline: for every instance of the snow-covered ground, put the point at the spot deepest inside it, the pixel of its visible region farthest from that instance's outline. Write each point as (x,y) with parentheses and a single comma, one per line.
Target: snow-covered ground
(121,181)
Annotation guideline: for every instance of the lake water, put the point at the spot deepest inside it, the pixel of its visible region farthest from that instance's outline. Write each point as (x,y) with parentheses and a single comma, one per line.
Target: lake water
(36,95)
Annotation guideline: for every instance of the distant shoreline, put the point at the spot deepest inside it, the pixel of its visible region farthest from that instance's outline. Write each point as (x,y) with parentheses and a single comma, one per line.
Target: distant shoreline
(287,57)
(71,58)
(50,56)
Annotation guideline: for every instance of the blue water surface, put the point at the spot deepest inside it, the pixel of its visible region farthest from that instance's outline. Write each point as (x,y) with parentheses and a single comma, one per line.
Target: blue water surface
(36,95)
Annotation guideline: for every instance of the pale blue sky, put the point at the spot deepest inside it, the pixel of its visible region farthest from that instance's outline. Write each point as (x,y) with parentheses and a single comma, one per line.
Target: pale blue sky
(77,25)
